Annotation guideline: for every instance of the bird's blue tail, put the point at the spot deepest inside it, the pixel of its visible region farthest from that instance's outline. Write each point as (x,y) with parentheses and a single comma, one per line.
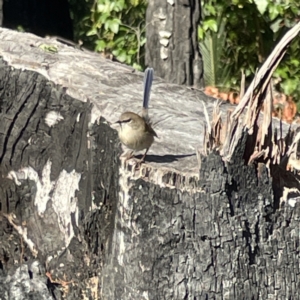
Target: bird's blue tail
(148,78)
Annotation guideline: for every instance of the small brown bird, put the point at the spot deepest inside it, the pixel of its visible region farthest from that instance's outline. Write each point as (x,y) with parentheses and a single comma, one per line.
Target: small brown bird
(135,131)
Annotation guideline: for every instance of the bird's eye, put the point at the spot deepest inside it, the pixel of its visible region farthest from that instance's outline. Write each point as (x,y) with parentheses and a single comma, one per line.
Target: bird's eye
(127,120)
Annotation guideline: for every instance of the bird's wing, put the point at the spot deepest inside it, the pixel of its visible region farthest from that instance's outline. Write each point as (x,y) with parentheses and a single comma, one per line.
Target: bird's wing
(150,129)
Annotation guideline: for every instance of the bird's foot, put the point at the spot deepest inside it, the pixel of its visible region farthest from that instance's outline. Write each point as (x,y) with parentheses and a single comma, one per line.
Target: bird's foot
(137,165)
(128,155)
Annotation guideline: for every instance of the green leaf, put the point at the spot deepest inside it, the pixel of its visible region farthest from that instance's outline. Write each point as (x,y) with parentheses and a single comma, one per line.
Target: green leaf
(49,48)
(211,10)
(119,5)
(261,5)
(20,28)
(100,45)
(213,49)
(273,12)
(134,3)
(132,51)
(137,66)
(129,60)
(143,41)
(294,9)
(210,24)
(200,33)
(102,19)
(114,25)
(282,72)
(295,62)
(235,2)
(289,23)
(101,8)
(289,86)
(93,31)
(275,26)
(122,56)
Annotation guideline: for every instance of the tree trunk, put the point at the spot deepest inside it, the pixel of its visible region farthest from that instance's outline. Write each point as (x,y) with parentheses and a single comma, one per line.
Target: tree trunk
(172,41)
(79,222)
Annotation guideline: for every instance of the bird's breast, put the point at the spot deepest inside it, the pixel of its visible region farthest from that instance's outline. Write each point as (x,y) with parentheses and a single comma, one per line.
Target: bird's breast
(135,139)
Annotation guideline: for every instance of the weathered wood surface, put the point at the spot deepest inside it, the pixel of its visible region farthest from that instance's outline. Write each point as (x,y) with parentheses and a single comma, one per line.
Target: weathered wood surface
(103,230)
(113,88)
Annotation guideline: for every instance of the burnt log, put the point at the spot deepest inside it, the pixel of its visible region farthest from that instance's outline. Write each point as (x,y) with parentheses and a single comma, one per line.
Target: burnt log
(77,221)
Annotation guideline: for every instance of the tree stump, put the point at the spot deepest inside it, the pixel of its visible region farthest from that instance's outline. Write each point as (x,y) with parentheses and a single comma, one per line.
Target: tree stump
(80,222)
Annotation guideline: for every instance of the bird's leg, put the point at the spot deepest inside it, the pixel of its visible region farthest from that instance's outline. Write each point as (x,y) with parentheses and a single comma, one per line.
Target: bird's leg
(142,160)
(143,157)
(129,155)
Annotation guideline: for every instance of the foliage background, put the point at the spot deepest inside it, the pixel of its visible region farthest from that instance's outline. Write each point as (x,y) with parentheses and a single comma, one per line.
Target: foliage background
(234,35)
(112,27)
